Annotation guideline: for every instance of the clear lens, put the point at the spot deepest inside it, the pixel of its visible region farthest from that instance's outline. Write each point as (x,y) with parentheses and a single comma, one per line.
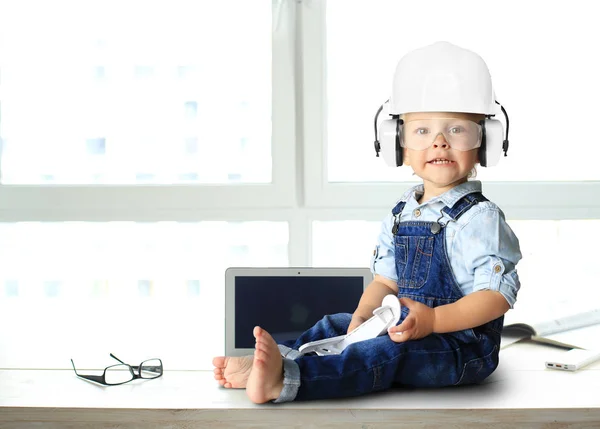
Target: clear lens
(151,368)
(461,134)
(117,374)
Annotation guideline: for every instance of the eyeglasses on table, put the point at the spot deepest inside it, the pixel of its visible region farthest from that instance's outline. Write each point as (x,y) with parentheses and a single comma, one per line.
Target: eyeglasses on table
(123,373)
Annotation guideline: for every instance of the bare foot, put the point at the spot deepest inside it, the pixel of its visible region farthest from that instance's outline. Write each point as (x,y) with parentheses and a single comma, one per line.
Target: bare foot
(266,378)
(232,372)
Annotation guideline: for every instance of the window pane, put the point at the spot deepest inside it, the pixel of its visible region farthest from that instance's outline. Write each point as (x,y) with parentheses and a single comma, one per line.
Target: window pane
(545,79)
(346,243)
(558,266)
(78,289)
(135,92)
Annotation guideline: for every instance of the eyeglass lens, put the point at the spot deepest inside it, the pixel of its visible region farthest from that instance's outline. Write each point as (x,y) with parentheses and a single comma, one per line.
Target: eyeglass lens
(118,374)
(151,368)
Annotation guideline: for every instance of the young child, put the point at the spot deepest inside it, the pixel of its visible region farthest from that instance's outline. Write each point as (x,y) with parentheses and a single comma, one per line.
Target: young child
(444,250)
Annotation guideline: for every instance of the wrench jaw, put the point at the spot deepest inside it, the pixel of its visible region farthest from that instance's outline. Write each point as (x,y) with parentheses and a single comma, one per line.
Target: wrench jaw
(383,317)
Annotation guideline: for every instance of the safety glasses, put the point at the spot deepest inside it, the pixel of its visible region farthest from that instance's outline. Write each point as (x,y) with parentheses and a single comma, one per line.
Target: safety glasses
(460,134)
(124,373)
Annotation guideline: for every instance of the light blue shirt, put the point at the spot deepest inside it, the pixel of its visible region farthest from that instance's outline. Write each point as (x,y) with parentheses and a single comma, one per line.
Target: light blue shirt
(482,249)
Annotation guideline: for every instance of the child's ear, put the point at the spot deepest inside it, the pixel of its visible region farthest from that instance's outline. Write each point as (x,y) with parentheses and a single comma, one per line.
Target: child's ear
(405,157)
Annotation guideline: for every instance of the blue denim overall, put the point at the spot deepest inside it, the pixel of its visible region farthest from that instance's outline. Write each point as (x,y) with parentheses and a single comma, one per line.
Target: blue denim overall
(424,275)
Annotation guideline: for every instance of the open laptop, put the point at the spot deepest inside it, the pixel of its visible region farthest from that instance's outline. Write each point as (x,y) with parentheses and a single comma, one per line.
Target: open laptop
(285,301)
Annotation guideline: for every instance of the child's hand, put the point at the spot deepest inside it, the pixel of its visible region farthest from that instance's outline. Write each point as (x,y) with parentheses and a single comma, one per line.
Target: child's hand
(418,323)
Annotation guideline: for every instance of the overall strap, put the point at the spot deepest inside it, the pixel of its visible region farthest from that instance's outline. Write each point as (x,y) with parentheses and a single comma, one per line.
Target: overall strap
(465,203)
(398,209)
(396,212)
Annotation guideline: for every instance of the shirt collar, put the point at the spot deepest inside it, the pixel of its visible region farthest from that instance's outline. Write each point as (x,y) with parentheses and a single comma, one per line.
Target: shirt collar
(450,197)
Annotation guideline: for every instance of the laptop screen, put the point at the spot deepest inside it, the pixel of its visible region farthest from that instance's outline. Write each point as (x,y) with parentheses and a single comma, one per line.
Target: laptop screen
(288,306)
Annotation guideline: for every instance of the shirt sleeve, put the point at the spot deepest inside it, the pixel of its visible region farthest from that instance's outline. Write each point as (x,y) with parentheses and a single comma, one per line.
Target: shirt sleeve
(382,260)
(490,251)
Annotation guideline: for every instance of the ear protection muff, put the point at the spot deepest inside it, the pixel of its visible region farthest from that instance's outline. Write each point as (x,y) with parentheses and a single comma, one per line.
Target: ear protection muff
(493,141)
(388,139)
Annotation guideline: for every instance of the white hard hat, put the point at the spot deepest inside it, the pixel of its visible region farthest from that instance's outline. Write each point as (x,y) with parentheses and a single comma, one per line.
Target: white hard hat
(442,77)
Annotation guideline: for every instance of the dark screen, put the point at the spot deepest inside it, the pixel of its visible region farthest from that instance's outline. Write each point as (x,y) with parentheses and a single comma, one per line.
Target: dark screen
(287,306)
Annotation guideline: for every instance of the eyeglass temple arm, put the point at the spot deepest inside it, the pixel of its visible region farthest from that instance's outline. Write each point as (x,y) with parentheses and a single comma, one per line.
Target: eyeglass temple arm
(114,357)
(96,378)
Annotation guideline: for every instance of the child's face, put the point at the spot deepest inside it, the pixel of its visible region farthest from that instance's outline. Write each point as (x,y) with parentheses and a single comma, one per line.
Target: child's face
(455,165)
